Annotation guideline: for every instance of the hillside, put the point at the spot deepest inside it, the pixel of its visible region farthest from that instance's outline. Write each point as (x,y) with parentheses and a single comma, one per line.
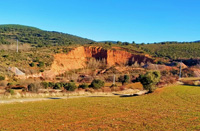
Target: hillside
(173,50)
(38,37)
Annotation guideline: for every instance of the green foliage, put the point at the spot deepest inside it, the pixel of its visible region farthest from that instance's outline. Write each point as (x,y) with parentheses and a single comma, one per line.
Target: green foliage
(10,84)
(40,64)
(32,64)
(58,85)
(2,78)
(51,84)
(173,50)
(41,70)
(83,86)
(11,91)
(149,80)
(113,85)
(45,84)
(71,86)
(96,84)
(37,37)
(126,79)
(5,56)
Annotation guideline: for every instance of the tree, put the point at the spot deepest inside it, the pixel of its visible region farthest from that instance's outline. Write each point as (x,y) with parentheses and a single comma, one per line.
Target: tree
(96,84)
(119,42)
(32,64)
(126,79)
(149,80)
(70,86)
(2,78)
(40,64)
(83,86)
(57,86)
(45,84)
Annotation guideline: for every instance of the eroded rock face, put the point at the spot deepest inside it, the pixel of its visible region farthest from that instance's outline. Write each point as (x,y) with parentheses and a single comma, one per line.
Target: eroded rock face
(78,57)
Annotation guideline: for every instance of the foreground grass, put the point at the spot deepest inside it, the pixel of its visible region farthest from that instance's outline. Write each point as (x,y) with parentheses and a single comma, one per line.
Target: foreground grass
(171,108)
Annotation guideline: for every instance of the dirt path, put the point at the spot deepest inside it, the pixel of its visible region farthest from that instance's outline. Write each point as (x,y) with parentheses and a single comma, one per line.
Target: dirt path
(36,99)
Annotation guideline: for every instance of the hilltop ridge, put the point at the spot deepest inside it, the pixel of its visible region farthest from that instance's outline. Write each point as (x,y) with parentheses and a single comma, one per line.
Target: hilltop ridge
(35,36)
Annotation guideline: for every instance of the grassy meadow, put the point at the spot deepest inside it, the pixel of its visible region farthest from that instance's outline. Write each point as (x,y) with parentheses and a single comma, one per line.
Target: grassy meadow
(169,108)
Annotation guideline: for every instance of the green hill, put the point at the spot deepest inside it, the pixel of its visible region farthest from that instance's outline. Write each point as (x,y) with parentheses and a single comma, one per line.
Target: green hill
(173,50)
(38,37)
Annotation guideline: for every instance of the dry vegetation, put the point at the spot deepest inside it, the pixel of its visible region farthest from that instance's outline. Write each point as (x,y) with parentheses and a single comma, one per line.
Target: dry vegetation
(170,108)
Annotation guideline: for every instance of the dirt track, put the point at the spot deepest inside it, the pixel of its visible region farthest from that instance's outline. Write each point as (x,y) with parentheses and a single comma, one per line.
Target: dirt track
(35,99)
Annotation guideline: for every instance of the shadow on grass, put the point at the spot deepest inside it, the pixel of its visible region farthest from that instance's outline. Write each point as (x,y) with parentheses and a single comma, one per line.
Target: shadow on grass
(129,95)
(54,98)
(98,96)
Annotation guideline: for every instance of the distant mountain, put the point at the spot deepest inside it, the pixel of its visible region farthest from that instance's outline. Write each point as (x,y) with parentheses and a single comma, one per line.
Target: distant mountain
(36,36)
(114,42)
(198,41)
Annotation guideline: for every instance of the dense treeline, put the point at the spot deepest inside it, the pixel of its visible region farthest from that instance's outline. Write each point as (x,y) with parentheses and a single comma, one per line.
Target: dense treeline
(173,50)
(31,35)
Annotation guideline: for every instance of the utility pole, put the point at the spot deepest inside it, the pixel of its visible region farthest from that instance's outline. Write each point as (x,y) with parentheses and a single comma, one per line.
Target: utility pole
(17,45)
(180,70)
(114,79)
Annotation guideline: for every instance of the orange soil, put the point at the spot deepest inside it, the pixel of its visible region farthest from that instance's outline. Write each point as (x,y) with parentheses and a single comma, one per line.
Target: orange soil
(77,58)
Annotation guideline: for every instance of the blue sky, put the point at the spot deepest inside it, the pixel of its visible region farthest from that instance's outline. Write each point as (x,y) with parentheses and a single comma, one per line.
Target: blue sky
(119,20)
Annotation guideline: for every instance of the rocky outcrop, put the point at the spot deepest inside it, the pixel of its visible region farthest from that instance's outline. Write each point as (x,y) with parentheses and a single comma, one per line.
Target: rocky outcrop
(77,58)
(113,57)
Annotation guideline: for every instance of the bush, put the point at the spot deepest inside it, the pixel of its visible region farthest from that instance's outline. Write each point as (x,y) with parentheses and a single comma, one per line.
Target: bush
(40,64)
(126,79)
(32,64)
(113,85)
(149,80)
(2,78)
(41,70)
(58,86)
(11,91)
(70,86)
(51,84)
(83,86)
(10,84)
(45,85)
(96,84)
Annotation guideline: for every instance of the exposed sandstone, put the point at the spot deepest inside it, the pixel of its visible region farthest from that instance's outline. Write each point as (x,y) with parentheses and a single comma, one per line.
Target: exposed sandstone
(78,57)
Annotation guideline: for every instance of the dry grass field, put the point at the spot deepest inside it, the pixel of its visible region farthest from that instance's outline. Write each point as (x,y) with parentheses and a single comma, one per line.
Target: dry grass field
(169,108)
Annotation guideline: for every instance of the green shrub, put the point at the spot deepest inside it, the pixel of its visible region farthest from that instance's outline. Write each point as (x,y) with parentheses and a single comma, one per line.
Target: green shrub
(83,86)
(41,70)
(58,86)
(96,84)
(45,84)
(40,64)
(51,84)
(10,84)
(70,86)
(2,78)
(113,85)
(32,64)
(126,79)
(11,91)
(149,80)
(5,56)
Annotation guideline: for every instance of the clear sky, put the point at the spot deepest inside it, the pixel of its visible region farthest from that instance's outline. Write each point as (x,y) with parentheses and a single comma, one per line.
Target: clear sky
(119,20)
